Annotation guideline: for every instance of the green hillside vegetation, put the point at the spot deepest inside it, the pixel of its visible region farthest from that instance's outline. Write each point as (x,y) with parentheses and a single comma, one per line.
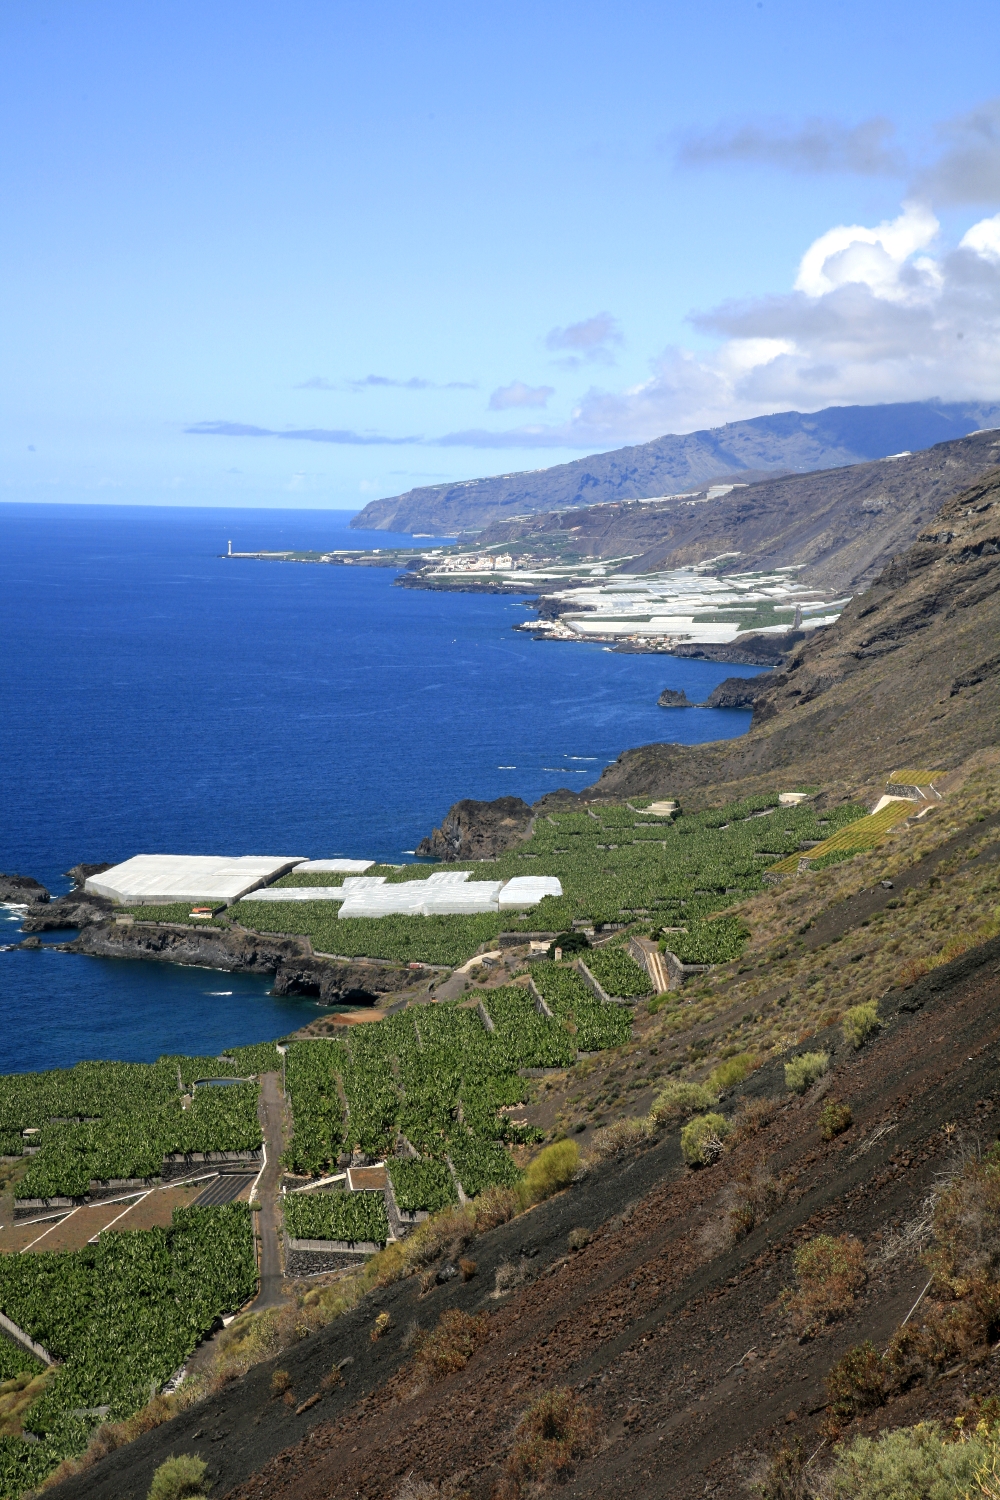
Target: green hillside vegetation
(612,862)
(438,1076)
(122,1315)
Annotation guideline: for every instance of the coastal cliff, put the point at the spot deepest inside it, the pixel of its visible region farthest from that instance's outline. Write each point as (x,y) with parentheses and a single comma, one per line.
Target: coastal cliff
(297,970)
(478,830)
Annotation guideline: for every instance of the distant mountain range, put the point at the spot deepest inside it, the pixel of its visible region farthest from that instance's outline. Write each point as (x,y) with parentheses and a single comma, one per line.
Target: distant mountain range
(787,442)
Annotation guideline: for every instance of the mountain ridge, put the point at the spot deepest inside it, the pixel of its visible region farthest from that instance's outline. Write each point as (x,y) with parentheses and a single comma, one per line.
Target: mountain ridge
(830,438)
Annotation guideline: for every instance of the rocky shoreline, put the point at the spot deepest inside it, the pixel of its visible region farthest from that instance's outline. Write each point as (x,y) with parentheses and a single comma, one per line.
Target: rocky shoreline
(296,968)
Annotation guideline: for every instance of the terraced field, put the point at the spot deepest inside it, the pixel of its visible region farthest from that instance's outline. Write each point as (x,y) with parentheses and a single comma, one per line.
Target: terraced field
(614,863)
(442,1076)
(122,1316)
(109,1120)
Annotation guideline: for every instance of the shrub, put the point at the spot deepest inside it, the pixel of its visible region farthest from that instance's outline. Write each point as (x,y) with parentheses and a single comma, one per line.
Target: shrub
(178,1478)
(857,1382)
(702,1138)
(785,1478)
(912,1463)
(805,1069)
(555,1430)
(677,1099)
(468,1268)
(578,1238)
(834,1118)
(451,1345)
(860,1023)
(380,1326)
(495,1206)
(623,1135)
(756,1194)
(966,1220)
(750,1119)
(731,1072)
(552,1169)
(829,1270)
(280,1381)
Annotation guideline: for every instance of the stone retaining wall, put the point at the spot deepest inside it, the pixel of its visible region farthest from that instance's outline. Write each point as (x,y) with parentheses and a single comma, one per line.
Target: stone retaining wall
(182,1166)
(311,1257)
(26,1341)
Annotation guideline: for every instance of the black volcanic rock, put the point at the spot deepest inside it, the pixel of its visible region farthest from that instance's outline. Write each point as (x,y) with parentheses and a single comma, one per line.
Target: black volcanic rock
(80,874)
(478,830)
(673,698)
(21,890)
(74,910)
(747,650)
(740,692)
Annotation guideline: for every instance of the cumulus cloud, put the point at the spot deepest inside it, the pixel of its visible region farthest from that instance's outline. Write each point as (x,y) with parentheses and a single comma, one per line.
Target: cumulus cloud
(590,341)
(518,394)
(816,145)
(876,313)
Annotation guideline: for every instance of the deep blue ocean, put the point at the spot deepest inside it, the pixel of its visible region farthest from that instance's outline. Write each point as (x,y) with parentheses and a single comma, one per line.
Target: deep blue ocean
(158,698)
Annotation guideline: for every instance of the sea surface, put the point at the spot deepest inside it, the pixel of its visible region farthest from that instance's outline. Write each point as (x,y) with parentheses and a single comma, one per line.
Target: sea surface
(157,697)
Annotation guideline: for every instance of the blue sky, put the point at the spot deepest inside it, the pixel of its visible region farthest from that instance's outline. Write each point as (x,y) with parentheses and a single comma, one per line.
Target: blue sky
(446,240)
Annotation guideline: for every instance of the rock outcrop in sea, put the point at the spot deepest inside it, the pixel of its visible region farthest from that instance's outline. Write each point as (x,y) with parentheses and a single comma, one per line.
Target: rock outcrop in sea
(478,830)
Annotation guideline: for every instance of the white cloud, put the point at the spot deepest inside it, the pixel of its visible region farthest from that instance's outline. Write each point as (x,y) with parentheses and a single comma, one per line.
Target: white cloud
(852,254)
(983,238)
(880,313)
(873,316)
(588,341)
(519,394)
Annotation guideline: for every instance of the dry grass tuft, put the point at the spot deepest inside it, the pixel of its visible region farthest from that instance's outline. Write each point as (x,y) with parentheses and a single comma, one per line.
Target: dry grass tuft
(381,1326)
(829,1270)
(677,1099)
(755,1196)
(496,1206)
(451,1345)
(555,1431)
(750,1120)
(616,1139)
(805,1069)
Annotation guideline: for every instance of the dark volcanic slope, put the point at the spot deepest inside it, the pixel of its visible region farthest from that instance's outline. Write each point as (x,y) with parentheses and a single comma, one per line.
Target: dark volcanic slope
(788,440)
(678,1342)
(909,673)
(842,524)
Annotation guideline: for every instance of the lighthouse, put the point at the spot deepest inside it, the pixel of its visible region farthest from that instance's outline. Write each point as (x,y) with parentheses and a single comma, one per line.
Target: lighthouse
(230,552)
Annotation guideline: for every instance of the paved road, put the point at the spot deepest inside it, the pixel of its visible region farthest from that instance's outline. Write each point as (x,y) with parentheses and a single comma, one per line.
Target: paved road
(270,1111)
